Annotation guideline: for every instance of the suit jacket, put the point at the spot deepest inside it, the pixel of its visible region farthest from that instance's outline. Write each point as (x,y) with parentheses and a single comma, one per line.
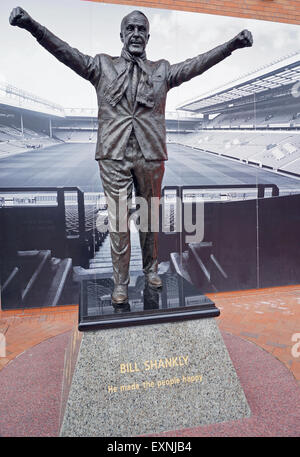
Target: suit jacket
(116,123)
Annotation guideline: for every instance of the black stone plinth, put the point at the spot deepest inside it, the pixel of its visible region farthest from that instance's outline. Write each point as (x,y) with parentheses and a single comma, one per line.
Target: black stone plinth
(176,300)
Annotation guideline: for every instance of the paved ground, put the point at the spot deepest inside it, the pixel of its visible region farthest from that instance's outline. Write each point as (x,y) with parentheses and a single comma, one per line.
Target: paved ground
(74,165)
(257,327)
(30,392)
(24,329)
(266,317)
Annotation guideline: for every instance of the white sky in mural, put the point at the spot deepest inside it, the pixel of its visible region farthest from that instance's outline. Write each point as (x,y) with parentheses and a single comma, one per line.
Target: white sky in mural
(94,28)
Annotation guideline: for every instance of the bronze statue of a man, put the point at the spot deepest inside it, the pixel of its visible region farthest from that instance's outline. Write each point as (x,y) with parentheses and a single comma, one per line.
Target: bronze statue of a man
(131,142)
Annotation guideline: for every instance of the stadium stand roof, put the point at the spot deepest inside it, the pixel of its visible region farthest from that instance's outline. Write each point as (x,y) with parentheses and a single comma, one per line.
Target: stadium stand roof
(14,97)
(283,73)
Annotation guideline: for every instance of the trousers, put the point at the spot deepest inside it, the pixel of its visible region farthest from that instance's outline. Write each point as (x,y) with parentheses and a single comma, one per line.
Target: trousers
(119,177)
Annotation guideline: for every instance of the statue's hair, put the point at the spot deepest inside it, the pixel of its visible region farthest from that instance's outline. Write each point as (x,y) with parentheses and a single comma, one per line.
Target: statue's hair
(130,14)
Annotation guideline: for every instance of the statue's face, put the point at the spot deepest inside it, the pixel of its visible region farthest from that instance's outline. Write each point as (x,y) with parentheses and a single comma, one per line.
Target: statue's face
(135,33)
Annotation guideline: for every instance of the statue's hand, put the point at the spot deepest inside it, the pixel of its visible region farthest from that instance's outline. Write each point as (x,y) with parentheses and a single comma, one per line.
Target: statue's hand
(20,18)
(242,40)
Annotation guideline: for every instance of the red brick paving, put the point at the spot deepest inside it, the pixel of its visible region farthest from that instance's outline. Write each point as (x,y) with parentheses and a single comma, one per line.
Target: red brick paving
(31,388)
(271,391)
(266,317)
(24,329)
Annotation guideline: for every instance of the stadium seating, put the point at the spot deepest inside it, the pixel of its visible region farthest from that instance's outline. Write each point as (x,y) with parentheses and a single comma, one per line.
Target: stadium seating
(76,136)
(273,149)
(280,116)
(292,167)
(13,141)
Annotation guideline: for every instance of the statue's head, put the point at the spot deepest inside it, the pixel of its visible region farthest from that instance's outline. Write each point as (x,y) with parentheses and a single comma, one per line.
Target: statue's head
(135,32)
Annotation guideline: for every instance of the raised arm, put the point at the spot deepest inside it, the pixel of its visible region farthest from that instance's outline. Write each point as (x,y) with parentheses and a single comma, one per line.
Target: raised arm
(86,66)
(190,68)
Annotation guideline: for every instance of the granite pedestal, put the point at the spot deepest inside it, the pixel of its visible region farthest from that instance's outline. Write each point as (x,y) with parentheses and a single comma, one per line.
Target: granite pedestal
(139,379)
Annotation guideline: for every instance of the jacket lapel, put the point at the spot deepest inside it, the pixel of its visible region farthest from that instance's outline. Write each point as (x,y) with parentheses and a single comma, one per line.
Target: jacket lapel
(120,66)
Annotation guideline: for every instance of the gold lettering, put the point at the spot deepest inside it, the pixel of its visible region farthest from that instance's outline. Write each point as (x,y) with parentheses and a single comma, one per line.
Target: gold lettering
(194,378)
(148,384)
(161,364)
(168,363)
(156,364)
(129,387)
(123,368)
(112,389)
(129,367)
(153,364)
(185,359)
(174,361)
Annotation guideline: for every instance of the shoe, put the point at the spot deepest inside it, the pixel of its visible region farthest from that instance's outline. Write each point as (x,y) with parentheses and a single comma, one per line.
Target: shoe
(154,279)
(120,293)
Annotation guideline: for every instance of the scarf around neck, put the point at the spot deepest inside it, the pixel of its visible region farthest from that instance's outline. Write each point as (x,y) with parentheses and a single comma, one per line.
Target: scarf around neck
(115,91)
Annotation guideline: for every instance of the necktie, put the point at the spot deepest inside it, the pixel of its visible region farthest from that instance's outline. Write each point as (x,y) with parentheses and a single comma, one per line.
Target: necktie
(134,82)
(122,84)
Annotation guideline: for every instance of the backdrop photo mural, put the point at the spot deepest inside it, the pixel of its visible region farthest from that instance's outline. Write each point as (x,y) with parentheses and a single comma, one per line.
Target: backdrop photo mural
(229,209)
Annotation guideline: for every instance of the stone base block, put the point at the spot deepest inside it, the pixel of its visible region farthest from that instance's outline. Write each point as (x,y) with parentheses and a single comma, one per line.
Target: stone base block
(138,380)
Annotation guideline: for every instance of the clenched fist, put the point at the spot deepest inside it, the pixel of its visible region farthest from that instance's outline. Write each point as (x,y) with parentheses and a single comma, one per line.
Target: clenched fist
(20,18)
(242,40)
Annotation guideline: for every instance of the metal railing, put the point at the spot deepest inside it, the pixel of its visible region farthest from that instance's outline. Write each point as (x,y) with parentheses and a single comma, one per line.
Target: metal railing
(60,191)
